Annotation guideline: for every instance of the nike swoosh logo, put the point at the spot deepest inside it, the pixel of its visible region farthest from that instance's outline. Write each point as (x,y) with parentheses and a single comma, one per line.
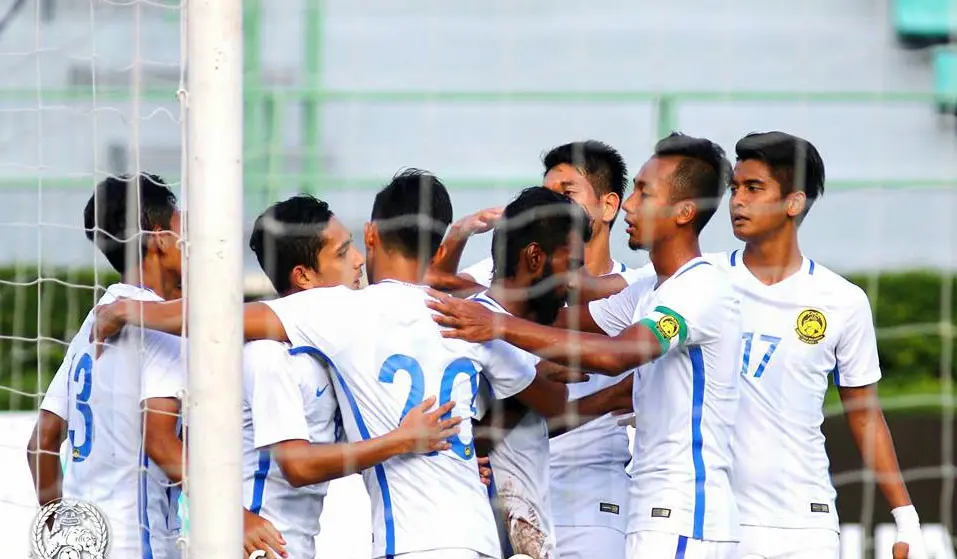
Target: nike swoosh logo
(319,391)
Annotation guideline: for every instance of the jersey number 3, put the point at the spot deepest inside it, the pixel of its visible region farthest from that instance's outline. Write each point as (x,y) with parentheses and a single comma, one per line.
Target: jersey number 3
(85,369)
(748,338)
(462,366)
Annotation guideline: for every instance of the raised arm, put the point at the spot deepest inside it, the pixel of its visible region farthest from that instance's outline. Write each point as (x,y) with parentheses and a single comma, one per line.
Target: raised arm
(449,255)
(421,431)
(259,321)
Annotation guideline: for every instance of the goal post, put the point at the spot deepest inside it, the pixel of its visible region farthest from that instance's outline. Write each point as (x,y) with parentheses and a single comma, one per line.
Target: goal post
(213,189)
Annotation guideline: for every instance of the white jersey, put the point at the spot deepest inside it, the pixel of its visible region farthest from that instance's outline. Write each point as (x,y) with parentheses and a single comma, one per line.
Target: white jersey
(685,401)
(100,400)
(387,354)
(797,332)
(589,483)
(520,464)
(285,397)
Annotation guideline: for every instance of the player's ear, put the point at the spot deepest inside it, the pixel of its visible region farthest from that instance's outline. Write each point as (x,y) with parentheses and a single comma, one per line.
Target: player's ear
(685,212)
(796,202)
(302,277)
(610,204)
(534,258)
(370,235)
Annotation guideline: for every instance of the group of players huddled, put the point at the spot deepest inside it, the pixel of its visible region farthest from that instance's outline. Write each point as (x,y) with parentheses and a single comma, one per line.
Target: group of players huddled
(487,409)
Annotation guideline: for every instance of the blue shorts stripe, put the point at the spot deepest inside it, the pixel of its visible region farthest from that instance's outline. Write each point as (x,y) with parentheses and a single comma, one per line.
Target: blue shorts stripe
(259,481)
(682,546)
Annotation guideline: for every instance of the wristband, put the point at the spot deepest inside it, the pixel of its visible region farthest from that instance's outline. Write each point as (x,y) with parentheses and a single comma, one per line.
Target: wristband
(908,524)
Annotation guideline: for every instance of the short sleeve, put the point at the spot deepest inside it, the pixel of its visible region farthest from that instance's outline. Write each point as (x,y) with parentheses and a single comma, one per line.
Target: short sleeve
(691,308)
(507,369)
(481,272)
(617,312)
(320,317)
(274,395)
(857,363)
(163,372)
(56,399)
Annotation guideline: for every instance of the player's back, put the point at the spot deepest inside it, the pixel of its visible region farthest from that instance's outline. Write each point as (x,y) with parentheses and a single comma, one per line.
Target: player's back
(107,465)
(388,355)
(796,334)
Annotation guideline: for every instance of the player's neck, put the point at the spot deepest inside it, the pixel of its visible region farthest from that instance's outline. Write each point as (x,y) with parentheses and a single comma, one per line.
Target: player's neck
(150,276)
(398,268)
(598,260)
(774,258)
(669,255)
(510,296)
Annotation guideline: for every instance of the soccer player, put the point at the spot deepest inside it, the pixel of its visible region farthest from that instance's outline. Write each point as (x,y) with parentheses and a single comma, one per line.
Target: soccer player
(121,410)
(289,410)
(588,480)
(802,323)
(533,251)
(685,335)
(387,355)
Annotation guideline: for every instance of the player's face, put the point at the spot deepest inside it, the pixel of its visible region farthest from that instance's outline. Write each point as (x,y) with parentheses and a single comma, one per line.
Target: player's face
(757,205)
(549,291)
(648,210)
(168,249)
(340,263)
(566,179)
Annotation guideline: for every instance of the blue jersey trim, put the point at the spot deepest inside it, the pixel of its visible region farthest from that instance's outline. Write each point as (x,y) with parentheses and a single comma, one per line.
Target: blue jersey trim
(682,546)
(364,432)
(697,439)
(144,508)
(692,267)
(734,258)
(837,375)
(259,481)
(810,268)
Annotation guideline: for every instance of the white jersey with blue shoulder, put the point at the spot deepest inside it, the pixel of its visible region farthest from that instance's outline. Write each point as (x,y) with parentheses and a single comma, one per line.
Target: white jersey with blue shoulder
(685,401)
(797,333)
(100,399)
(287,396)
(387,354)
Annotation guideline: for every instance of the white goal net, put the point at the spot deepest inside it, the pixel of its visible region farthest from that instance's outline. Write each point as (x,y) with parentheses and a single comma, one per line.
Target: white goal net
(338,95)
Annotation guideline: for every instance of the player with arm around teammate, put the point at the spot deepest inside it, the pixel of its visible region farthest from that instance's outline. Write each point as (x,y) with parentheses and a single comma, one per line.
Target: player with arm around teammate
(387,356)
(290,413)
(121,410)
(802,324)
(684,335)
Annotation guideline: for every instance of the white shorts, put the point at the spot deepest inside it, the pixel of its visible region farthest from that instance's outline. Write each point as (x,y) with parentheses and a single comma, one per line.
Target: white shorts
(458,553)
(587,542)
(788,543)
(661,545)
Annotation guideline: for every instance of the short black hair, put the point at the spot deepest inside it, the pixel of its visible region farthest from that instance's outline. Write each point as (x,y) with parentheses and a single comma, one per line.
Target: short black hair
(702,175)
(104,217)
(540,216)
(289,234)
(601,164)
(413,212)
(794,162)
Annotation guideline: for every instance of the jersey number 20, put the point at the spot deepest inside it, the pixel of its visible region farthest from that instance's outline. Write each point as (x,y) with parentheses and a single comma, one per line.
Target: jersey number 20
(461,366)
(85,369)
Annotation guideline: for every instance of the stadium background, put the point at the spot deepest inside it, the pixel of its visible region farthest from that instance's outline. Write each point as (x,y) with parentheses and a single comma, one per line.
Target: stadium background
(340,94)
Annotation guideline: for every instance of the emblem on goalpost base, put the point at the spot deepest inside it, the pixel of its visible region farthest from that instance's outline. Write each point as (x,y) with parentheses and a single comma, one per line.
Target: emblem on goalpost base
(79,531)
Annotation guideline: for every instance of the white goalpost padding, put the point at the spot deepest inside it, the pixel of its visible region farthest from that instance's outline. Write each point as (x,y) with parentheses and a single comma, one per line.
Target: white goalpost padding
(214,202)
